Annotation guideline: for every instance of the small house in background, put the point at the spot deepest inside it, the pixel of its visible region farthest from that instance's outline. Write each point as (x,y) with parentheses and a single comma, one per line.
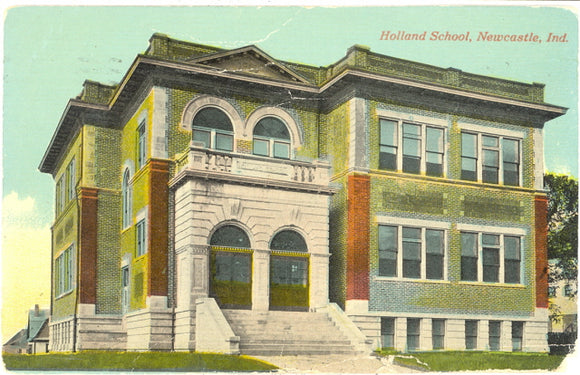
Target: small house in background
(563,294)
(34,338)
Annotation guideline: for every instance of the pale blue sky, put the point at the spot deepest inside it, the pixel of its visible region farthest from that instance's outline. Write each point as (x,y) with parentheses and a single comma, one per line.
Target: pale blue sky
(50,51)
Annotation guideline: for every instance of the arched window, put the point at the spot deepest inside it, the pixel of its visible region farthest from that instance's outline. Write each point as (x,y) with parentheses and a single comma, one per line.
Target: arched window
(126,192)
(271,138)
(230,236)
(288,240)
(213,128)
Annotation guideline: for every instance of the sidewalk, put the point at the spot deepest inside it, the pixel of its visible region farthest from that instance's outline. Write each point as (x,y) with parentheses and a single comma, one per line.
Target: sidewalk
(335,364)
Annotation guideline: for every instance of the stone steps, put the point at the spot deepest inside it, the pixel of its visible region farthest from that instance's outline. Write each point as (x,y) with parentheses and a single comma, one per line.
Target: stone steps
(287,333)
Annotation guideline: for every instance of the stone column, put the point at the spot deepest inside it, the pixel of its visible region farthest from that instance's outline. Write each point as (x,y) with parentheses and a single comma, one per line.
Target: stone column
(318,280)
(261,280)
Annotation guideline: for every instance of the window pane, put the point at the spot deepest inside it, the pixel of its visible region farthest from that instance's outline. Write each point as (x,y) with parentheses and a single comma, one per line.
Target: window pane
(411,130)
(388,133)
(490,265)
(470,334)
(434,140)
(411,164)
(512,271)
(435,264)
(388,158)
(468,169)
(469,145)
(388,332)
(511,174)
(202,136)
(517,335)
(490,175)
(468,269)
(489,141)
(434,240)
(510,150)
(494,335)
(224,142)
(411,250)
(512,247)
(411,234)
(261,147)
(281,150)
(212,118)
(413,326)
(438,333)
(469,244)
(230,236)
(491,158)
(411,147)
(272,127)
(490,239)
(289,270)
(387,238)
(288,240)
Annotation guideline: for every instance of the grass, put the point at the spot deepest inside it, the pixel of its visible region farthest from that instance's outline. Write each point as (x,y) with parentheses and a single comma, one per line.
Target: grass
(99,360)
(477,361)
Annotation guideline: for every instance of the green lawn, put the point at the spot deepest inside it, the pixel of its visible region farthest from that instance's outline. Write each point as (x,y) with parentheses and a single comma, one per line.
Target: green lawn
(475,361)
(100,360)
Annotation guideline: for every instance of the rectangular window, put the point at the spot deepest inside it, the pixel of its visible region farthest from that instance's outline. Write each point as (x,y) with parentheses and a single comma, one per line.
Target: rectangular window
(567,290)
(413,333)
(494,335)
(203,137)
(435,249)
(411,148)
(388,145)
(141,145)
(512,260)
(388,332)
(422,252)
(422,151)
(487,253)
(64,271)
(388,245)
(434,151)
(412,253)
(59,204)
(281,150)
(490,158)
(468,156)
(261,147)
(552,291)
(141,238)
(490,152)
(490,255)
(511,162)
(471,334)
(70,181)
(469,256)
(517,336)
(438,333)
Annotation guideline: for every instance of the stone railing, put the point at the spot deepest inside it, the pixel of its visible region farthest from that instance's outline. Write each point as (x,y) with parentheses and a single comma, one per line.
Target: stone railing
(200,159)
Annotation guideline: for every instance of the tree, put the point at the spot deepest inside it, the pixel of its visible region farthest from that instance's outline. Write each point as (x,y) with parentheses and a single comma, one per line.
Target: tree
(562,231)
(563,223)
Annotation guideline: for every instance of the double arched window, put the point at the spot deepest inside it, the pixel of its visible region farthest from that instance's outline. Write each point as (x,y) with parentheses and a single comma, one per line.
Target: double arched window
(212,127)
(127,198)
(271,138)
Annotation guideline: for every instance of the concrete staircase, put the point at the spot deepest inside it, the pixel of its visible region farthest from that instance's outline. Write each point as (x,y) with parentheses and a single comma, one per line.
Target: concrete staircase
(287,333)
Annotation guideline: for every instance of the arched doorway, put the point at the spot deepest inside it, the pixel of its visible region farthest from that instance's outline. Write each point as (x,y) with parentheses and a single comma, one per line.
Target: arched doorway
(231,268)
(289,263)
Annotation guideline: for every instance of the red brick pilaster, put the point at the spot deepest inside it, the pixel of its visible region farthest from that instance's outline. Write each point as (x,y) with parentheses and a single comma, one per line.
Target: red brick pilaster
(87,248)
(358,238)
(541,217)
(158,240)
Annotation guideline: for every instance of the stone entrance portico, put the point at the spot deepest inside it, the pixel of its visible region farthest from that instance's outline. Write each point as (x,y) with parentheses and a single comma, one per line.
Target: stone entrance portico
(214,190)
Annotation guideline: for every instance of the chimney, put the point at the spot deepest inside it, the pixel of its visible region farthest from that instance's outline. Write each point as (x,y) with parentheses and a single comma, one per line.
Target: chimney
(36,310)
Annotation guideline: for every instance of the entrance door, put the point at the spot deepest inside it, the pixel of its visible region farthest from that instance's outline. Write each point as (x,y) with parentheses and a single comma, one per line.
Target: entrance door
(289,263)
(231,268)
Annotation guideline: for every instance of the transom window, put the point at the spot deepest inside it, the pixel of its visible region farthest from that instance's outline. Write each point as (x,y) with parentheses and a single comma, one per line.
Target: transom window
(213,128)
(230,236)
(271,138)
(491,159)
(423,252)
(422,150)
(288,240)
(490,258)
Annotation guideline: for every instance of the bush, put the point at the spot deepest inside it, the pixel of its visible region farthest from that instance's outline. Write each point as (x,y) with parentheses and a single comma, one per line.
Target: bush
(562,343)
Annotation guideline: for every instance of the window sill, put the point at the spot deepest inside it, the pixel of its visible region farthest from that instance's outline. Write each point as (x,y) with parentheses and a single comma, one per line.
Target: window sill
(406,279)
(495,285)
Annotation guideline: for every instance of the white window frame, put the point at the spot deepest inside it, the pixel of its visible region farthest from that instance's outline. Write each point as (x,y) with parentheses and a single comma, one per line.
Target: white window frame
(141,238)
(479,134)
(502,233)
(64,270)
(423,225)
(423,138)
(127,199)
(142,143)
